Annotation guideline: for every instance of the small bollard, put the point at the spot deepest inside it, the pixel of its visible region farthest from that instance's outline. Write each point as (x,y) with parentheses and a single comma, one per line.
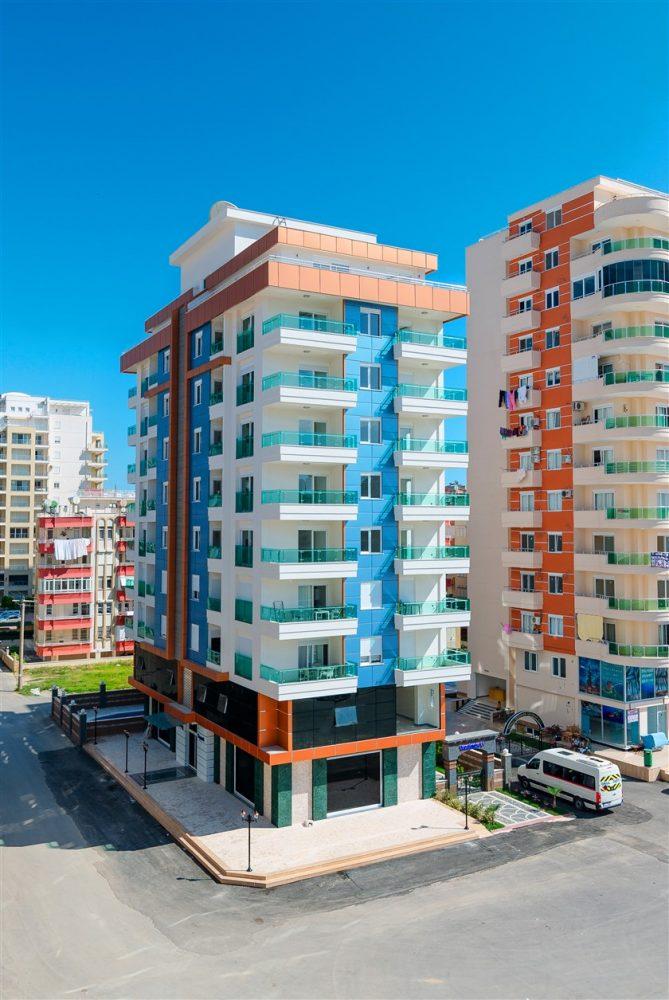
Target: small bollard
(506,768)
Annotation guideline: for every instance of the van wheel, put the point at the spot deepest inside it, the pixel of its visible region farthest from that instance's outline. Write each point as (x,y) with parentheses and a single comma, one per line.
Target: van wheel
(524,783)
(579,804)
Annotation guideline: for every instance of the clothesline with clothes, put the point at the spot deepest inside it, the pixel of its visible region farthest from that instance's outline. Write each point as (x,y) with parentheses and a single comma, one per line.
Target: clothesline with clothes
(66,549)
(514,432)
(510,398)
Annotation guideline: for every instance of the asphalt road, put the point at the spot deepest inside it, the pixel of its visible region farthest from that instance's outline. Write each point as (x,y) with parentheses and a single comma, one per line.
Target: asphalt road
(98,902)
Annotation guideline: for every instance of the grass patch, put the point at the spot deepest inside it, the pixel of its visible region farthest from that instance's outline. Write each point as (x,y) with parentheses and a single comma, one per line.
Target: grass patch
(86,677)
(531,802)
(484,814)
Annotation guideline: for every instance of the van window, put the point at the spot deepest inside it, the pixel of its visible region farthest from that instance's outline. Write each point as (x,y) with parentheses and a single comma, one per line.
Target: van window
(554,770)
(533,765)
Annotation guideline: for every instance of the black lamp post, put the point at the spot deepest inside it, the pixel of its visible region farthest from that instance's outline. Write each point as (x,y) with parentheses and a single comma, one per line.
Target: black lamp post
(466,800)
(145,748)
(249,818)
(127,741)
(96,709)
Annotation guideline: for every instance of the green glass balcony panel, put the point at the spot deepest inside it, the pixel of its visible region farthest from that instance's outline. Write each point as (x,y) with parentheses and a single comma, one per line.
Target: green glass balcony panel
(310,496)
(244,341)
(431,340)
(146,506)
(448,658)
(637,513)
(244,555)
(309,555)
(432,552)
(433,499)
(132,469)
(214,656)
(298,675)
(141,588)
(643,420)
(150,381)
(213,603)
(214,552)
(143,467)
(151,463)
(216,346)
(150,547)
(148,632)
(132,430)
(243,501)
(628,558)
(630,332)
(132,392)
(430,392)
(150,590)
(302,380)
(245,393)
(443,607)
(638,604)
(614,468)
(649,375)
(306,440)
(216,397)
(643,652)
(636,243)
(243,610)
(216,448)
(215,499)
(130,508)
(244,447)
(288,615)
(634,287)
(244,666)
(434,447)
(289,322)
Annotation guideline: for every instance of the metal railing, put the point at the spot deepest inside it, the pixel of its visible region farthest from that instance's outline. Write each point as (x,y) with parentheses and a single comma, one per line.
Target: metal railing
(297,675)
(613,468)
(637,604)
(308,323)
(431,340)
(302,380)
(650,375)
(308,440)
(632,287)
(362,272)
(245,340)
(434,447)
(443,607)
(637,513)
(327,614)
(643,420)
(310,496)
(432,499)
(629,332)
(636,243)
(214,656)
(430,392)
(643,652)
(308,555)
(432,552)
(447,658)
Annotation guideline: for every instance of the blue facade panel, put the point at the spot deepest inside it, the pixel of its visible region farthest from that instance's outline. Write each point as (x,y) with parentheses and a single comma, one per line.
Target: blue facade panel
(198,511)
(162,475)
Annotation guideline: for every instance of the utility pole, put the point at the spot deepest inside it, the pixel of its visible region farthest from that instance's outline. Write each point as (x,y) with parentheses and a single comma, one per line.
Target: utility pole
(22,637)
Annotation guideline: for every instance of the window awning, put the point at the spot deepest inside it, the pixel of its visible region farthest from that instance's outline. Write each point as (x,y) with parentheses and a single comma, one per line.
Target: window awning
(161,720)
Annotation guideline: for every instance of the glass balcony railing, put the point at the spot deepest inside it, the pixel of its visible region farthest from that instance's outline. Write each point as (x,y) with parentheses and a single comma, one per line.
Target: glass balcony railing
(448,658)
(130,508)
(216,448)
(150,590)
(617,468)
(632,287)
(216,345)
(213,603)
(643,652)
(244,555)
(215,499)
(146,548)
(132,430)
(309,555)
(643,420)
(146,423)
(432,552)
(298,675)
(244,666)
(149,381)
(243,610)
(244,447)
(638,604)
(637,513)
(146,506)
(214,552)
(310,496)
(627,558)
(216,397)
(637,243)
(307,440)
(145,465)
(432,499)
(214,656)
(650,375)
(132,469)
(144,631)
(431,447)
(431,340)
(245,340)
(243,502)
(629,332)
(141,588)
(308,323)
(430,392)
(443,607)
(245,393)
(328,614)
(132,392)
(300,380)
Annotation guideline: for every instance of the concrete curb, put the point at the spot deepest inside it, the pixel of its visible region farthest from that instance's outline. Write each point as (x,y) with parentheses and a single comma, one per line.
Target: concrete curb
(214,867)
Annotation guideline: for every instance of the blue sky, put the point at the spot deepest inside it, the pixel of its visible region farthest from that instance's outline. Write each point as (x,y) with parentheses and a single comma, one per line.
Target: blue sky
(424,122)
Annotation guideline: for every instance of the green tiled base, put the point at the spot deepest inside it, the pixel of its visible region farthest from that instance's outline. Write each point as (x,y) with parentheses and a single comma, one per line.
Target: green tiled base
(259,786)
(282,794)
(230,768)
(319,789)
(389,759)
(428,770)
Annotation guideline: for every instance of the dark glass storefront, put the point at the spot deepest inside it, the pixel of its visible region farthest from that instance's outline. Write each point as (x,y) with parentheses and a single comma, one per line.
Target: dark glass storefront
(354,782)
(244,774)
(369,714)
(229,705)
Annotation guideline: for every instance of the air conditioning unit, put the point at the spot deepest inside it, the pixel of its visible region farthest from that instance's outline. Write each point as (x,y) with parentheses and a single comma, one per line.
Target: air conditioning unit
(567,494)
(577,406)
(567,459)
(536,619)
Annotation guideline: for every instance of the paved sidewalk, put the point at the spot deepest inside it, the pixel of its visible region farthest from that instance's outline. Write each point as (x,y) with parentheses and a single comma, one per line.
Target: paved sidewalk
(511,812)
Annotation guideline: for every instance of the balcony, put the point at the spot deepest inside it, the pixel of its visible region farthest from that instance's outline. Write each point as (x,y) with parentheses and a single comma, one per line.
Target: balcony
(623,653)
(308,564)
(322,449)
(625,428)
(244,556)
(309,623)
(655,610)
(624,562)
(214,556)
(520,283)
(521,361)
(450,612)
(243,611)
(646,383)
(215,398)
(521,518)
(245,339)
(429,560)
(147,467)
(623,334)
(245,393)
(149,382)
(298,389)
(522,478)
(416,453)
(622,472)
(213,657)
(437,350)
(132,434)
(430,401)
(531,439)
(309,333)
(132,394)
(521,245)
(147,508)
(148,425)
(520,322)
(629,296)
(526,600)
(524,640)
(645,517)
(432,507)
(449,665)
(131,470)
(519,559)
(146,549)
(216,344)
(311,505)
(295,683)
(244,447)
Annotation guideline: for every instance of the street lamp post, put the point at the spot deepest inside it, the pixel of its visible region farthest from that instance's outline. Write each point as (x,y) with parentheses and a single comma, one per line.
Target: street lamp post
(249,818)
(466,800)
(22,640)
(127,741)
(145,748)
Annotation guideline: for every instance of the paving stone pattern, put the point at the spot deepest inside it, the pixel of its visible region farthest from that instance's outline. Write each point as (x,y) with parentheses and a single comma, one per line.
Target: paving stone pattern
(510,810)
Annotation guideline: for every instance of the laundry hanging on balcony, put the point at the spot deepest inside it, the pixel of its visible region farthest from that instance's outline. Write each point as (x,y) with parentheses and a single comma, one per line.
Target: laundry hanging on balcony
(509,432)
(67,549)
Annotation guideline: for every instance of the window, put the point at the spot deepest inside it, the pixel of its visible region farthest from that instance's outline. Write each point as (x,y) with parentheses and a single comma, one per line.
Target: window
(197,440)
(197,489)
(525,265)
(196,538)
(525,305)
(583,287)
(555,625)
(602,544)
(370,322)
(197,392)
(605,587)
(166,449)
(370,376)
(603,499)
(551,259)
(166,404)
(525,460)
(163,581)
(527,541)
(527,581)
(370,541)
(552,298)
(525,344)
(163,536)
(555,585)
(552,338)
(530,661)
(197,344)
(527,501)
(165,491)
(371,650)
(525,227)
(554,218)
(195,587)
(552,377)
(554,499)
(371,594)
(166,361)
(554,459)
(370,486)
(195,638)
(163,626)
(370,432)
(553,420)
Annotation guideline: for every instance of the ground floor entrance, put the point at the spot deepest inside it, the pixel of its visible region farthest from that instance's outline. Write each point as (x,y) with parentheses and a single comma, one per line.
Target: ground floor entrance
(354,783)
(244,775)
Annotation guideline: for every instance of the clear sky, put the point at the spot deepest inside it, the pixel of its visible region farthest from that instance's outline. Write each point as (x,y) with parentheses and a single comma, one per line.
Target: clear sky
(424,122)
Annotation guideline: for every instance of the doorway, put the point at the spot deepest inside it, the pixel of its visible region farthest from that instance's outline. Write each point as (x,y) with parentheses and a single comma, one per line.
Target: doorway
(244,775)
(353,783)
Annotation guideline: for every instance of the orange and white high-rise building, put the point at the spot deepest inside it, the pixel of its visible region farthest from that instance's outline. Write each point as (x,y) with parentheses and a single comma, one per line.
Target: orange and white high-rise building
(569,460)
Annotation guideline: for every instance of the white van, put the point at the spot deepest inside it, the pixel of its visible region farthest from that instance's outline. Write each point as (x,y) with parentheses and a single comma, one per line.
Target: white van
(585,780)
